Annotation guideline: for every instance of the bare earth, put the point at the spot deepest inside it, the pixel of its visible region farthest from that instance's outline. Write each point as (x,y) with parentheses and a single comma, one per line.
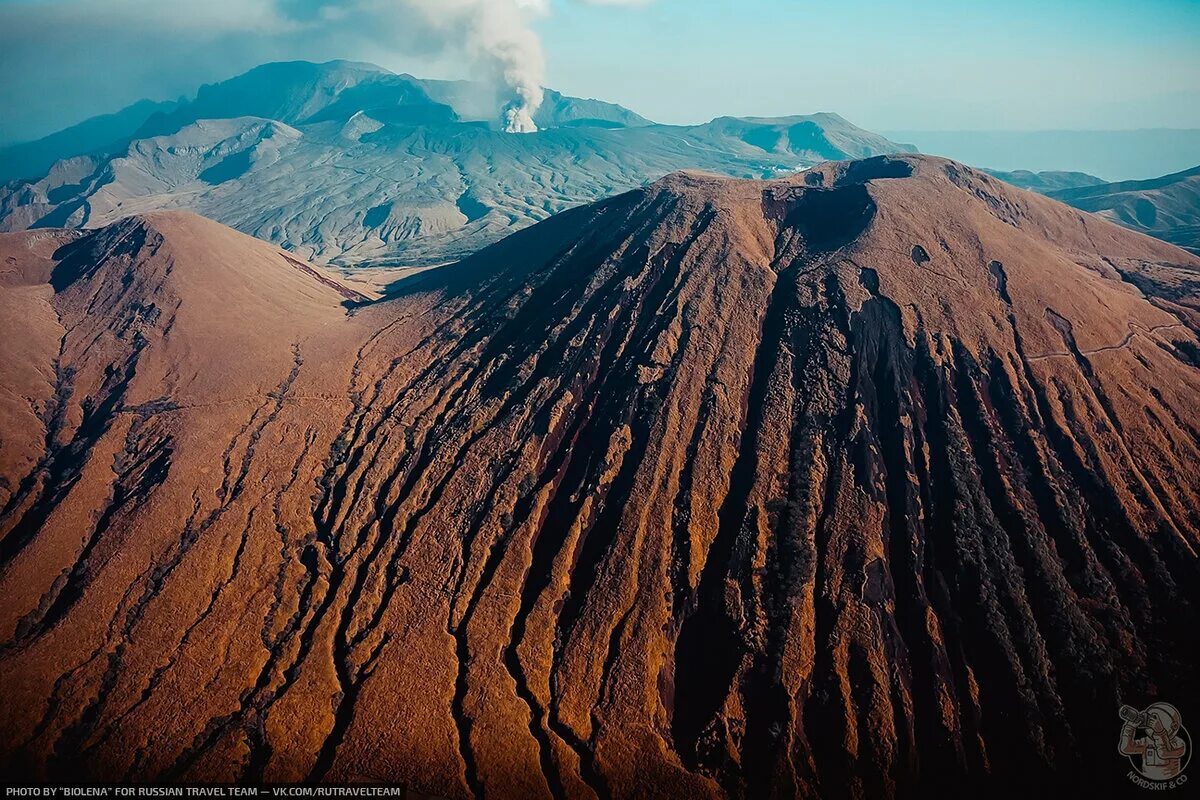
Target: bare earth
(881,477)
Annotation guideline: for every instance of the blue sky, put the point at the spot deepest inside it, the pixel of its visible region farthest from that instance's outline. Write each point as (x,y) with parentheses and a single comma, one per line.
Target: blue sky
(919,64)
(914,65)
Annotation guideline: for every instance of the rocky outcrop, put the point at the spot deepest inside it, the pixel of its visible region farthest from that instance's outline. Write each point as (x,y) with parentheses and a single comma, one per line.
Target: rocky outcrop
(873,480)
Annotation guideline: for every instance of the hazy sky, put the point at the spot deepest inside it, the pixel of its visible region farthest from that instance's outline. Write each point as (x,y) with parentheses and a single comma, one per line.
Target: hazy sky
(918,64)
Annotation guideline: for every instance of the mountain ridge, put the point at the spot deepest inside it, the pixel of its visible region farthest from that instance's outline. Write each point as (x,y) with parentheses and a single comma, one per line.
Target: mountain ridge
(1120,154)
(1166,207)
(1046,181)
(364,168)
(867,481)
(287,91)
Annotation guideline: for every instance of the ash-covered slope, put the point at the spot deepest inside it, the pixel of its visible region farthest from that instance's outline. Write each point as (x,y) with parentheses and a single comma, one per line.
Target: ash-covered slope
(873,479)
(354,166)
(29,159)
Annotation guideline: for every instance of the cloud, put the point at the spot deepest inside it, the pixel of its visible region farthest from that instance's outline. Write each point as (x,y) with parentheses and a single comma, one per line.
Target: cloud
(497,35)
(494,35)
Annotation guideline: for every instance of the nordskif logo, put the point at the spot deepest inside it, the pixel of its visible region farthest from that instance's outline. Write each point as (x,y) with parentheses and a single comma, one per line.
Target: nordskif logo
(1157,744)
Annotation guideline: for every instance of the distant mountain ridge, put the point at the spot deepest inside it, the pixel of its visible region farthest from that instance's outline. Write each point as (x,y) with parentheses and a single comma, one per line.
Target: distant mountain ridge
(92,135)
(1114,155)
(1045,181)
(297,92)
(351,165)
(1166,207)
(300,92)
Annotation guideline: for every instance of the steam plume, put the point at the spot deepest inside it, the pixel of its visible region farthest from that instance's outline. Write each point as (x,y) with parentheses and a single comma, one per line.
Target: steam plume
(496,34)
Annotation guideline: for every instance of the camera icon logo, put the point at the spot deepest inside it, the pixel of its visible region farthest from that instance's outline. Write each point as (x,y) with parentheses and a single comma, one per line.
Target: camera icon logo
(1157,745)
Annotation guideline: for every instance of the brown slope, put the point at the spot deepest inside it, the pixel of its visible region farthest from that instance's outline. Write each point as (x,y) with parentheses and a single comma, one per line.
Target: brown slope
(876,478)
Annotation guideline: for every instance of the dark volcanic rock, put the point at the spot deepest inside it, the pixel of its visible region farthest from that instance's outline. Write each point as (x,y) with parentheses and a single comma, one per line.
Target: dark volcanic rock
(707,489)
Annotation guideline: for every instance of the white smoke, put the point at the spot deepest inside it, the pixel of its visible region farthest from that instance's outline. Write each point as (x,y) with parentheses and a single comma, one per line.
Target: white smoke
(498,35)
